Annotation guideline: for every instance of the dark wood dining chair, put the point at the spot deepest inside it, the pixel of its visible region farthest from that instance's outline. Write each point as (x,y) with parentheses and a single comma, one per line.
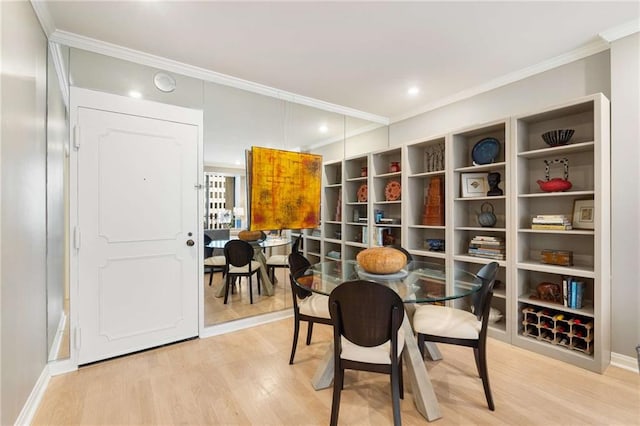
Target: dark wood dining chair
(212,263)
(281,260)
(367,319)
(443,324)
(307,306)
(240,263)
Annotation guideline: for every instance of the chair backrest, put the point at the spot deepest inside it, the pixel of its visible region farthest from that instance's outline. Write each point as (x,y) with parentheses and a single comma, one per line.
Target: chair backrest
(366,313)
(218,234)
(238,252)
(482,302)
(297,265)
(404,250)
(295,248)
(208,251)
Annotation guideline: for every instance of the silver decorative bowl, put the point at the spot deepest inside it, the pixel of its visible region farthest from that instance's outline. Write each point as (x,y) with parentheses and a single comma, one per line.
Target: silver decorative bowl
(558,137)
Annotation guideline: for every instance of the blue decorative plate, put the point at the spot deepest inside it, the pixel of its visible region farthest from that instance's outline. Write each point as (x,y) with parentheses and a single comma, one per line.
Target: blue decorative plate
(485,151)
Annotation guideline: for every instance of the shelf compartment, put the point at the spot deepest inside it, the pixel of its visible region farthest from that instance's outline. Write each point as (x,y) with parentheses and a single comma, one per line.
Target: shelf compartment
(416,238)
(566,330)
(464,141)
(530,246)
(353,168)
(382,161)
(426,157)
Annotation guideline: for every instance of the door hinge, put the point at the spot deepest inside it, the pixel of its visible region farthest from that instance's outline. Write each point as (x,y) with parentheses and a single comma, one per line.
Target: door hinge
(198,186)
(76,137)
(76,238)
(77,337)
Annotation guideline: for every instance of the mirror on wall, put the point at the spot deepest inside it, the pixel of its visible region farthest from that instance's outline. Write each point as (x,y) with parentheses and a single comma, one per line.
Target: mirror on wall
(234,121)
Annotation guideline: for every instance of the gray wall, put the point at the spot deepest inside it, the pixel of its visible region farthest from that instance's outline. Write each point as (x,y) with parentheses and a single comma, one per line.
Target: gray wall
(625,194)
(23,213)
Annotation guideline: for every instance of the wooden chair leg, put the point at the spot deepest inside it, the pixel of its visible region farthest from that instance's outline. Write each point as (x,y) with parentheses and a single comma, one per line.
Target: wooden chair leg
(400,377)
(421,344)
(309,332)
(296,330)
(395,394)
(210,277)
(250,281)
(484,375)
(338,382)
(227,283)
(259,282)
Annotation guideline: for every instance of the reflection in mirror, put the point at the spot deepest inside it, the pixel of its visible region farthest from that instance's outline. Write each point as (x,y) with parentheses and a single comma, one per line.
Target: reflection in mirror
(57,207)
(235,120)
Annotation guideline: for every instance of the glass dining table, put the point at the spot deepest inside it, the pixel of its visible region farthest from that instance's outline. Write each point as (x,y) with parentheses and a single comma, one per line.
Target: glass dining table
(417,282)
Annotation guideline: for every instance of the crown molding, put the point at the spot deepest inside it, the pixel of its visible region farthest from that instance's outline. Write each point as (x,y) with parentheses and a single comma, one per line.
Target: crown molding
(616,33)
(42,12)
(580,53)
(120,52)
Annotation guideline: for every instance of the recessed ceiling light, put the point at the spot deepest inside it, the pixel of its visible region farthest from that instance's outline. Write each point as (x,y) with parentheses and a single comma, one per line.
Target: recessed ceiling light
(323,128)
(135,94)
(413,91)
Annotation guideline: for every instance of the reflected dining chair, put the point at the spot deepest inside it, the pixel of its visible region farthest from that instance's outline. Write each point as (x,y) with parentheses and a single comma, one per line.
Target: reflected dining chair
(213,263)
(281,260)
(443,324)
(240,263)
(307,306)
(367,319)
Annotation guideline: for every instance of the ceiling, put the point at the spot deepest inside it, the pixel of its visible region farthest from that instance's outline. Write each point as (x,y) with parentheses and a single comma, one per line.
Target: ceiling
(360,55)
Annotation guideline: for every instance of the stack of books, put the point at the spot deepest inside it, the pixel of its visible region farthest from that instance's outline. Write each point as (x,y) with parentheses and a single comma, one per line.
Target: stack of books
(573,292)
(557,222)
(488,247)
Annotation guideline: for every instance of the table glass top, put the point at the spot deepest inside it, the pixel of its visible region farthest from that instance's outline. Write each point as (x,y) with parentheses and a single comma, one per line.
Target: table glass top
(269,242)
(416,282)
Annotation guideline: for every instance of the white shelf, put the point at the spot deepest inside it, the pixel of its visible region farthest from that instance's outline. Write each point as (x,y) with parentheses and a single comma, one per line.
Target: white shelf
(480,229)
(499,197)
(481,168)
(578,270)
(427,174)
(558,231)
(586,311)
(559,150)
(427,227)
(481,260)
(557,194)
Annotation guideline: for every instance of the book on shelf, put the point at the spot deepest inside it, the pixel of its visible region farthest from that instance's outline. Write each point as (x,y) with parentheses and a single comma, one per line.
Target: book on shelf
(551,220)
(572,292)
(487,238)
(556,227)
(488,256)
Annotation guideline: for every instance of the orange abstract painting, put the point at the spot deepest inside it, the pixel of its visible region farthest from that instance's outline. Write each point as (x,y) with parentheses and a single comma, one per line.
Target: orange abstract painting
(284,189)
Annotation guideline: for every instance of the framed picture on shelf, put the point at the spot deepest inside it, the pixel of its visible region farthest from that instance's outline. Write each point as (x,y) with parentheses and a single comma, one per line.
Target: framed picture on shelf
(474,184)
(583,214)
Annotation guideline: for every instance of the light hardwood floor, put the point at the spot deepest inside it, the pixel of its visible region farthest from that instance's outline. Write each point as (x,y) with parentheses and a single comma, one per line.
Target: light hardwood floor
(239,305)
(244,378)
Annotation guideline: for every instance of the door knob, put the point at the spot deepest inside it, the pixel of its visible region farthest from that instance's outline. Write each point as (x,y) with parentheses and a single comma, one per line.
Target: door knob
(190,243)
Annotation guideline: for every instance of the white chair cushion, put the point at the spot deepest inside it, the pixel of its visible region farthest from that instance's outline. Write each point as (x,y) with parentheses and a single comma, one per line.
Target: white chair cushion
(446,322)
(215,261)
(316,305)
(279,260)
(255,265)
(373,355)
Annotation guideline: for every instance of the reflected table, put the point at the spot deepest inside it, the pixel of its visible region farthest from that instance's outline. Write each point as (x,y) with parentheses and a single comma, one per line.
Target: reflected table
(418,282)
(258,255)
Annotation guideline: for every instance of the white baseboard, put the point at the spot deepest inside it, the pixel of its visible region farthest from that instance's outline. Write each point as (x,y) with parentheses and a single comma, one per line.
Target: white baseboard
(29,409)
(55,347)
(625,362)
(241,324)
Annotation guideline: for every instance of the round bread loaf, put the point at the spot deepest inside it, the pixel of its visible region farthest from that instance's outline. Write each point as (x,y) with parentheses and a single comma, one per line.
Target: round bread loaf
(381,260)
(249,235)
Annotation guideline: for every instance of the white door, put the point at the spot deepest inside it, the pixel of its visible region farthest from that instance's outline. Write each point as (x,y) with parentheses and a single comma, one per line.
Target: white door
(137,235)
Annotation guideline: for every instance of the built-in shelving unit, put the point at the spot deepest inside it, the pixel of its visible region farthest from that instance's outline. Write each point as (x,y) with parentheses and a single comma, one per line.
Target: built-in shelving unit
(436,218)
(467,206)
(587,155)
